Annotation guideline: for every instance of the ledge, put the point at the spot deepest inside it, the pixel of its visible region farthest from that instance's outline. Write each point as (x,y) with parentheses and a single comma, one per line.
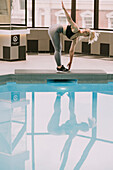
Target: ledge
(85,76)
(14,32)
(23,76)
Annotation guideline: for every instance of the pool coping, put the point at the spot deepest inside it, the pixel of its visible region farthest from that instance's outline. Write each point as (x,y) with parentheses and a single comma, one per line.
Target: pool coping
(43,76)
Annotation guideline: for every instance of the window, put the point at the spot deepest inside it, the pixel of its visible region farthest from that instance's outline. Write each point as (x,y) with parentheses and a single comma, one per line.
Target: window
(61,18)
(29,13)
(42,14)
(111,22)
(110,19)
(87,19)
(18,12)
(5,12)
(41,17)
(105,14)
(50,12)
(84,13)
(22,4)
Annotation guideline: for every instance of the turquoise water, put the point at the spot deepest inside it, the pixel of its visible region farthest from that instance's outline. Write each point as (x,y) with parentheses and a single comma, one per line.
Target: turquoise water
(56,126)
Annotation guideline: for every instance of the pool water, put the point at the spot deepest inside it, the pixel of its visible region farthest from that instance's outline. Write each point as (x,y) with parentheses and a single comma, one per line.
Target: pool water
(56,126)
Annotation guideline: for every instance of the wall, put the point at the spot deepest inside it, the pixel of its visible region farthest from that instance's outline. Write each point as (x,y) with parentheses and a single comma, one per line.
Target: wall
(42,38)
(104,45)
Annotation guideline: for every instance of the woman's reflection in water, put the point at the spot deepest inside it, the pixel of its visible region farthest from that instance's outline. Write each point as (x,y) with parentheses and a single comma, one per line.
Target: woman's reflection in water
(70,127)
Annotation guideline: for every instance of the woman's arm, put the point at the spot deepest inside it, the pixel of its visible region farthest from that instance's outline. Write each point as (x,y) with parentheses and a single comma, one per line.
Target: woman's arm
(71,52)
(73,24)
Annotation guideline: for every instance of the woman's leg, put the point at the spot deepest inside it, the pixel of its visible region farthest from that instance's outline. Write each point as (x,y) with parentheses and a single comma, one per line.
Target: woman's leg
(54,33)
(71,96)
(53,125)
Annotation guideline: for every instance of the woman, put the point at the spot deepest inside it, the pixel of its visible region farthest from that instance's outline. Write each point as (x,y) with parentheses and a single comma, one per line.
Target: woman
(71,128)
(72,32)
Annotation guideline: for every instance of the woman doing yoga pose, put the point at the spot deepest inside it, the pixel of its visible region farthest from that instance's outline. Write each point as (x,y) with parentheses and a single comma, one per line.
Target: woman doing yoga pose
(72,32)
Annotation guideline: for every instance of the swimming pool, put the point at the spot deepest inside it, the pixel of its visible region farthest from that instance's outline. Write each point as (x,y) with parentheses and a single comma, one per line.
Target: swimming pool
(57,125)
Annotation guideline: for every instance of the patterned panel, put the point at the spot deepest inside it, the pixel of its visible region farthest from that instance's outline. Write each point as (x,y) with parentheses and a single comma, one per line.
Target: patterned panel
(6,53)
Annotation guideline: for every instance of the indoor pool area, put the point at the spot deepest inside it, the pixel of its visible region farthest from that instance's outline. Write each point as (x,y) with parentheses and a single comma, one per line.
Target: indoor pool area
(56,85)
(60,121)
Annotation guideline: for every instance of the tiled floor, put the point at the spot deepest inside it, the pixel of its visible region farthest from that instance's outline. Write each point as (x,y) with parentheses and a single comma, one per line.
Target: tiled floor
(47,62)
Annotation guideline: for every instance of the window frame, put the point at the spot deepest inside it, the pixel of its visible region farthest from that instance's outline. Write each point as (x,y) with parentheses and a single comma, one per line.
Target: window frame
(73,15)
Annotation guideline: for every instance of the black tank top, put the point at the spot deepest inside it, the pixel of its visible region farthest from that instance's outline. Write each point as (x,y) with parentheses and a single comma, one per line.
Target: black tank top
(69,32)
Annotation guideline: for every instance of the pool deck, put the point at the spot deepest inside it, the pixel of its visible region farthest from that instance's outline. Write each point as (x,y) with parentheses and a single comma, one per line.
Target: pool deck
(42,67)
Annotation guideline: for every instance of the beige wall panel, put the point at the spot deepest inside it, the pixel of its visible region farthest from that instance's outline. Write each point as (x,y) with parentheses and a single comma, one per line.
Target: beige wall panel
(14,53)
(111,51)
(38,35)
(111,45)
(43,45)
(33,35)
(104,38)
(5,40)
(78,48)
(22,39)
(95,48)
(43,34)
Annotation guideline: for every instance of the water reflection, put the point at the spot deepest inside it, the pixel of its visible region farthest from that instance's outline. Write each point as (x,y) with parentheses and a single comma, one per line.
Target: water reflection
(13,118)
(82,140)
(70,128)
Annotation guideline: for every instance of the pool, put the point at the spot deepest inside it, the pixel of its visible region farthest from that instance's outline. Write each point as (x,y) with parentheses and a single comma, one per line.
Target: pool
(58,125)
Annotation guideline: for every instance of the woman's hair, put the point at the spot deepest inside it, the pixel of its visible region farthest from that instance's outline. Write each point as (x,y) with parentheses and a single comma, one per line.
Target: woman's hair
(93,36)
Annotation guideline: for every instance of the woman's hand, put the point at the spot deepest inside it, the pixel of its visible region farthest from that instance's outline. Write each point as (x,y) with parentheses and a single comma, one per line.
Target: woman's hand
(71,53)
(63,5)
